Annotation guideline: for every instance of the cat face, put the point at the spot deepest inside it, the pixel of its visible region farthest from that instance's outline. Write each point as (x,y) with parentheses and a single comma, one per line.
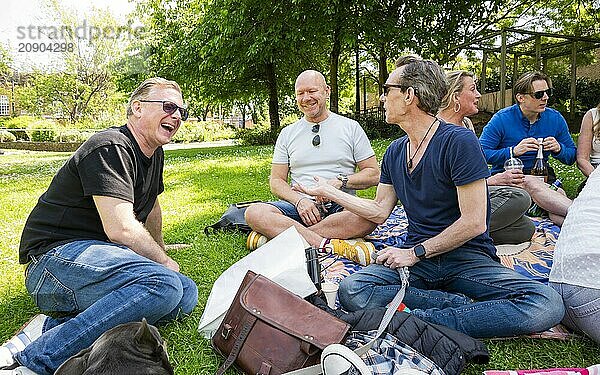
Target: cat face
(130,348)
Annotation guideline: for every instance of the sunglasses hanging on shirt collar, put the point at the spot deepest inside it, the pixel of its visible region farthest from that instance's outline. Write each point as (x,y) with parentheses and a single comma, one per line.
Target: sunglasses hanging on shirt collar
(316,141)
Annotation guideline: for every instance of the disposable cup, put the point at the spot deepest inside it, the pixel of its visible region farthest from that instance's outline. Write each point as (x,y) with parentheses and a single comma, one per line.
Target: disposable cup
(330,290)
(513,163)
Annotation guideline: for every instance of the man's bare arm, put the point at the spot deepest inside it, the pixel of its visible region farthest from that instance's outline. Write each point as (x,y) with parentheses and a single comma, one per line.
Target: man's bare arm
(472,202)
(154,224)
(376,210)
(278,182)
(121,227)
(367,175)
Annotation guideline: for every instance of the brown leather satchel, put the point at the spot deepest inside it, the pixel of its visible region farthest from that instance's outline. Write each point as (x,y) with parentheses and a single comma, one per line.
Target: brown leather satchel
(269,330)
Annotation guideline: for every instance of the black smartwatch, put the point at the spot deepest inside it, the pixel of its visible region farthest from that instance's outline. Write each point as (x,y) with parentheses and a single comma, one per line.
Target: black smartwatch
(419,251)
(344,179)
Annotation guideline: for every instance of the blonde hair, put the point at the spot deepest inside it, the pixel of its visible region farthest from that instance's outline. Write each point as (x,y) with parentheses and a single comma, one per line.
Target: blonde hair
(456,82)
(143,90)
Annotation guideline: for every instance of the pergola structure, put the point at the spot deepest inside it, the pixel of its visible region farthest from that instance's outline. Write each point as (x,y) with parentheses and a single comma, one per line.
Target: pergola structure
(529,43)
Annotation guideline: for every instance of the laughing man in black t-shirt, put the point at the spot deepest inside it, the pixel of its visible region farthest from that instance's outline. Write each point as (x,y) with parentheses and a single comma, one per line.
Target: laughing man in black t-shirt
(93,242)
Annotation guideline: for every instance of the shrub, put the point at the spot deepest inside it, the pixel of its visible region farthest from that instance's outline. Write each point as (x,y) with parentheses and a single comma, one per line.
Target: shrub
(215,131)
(20,122)
(189,132)
(375,126)
(192,131)
(72,135)
(6,136)
(257,137)
(42,131)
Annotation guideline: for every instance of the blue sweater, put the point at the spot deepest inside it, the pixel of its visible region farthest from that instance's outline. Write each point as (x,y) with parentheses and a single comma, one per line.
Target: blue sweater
(509,126)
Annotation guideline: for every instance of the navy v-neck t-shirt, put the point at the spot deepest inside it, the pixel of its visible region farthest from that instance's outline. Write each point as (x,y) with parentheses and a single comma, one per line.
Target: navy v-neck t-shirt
(428,193)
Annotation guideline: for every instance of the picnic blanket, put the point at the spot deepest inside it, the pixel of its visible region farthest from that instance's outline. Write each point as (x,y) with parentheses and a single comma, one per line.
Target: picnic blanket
(532,259)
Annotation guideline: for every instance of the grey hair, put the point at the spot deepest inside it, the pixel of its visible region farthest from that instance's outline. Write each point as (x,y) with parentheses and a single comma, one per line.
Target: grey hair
(143,90)
(456,82)
(428,80)
(407,59)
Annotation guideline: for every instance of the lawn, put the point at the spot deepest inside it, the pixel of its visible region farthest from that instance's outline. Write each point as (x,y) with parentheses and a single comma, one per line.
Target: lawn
(199,184)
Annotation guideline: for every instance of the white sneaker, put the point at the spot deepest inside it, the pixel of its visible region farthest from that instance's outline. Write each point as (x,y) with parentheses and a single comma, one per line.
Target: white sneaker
(337,359)
(21,370)
(30,332)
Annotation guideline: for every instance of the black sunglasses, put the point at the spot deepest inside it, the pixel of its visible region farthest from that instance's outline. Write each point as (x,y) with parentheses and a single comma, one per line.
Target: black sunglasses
(540,94)
(317,138)
(170,108)
(388,86)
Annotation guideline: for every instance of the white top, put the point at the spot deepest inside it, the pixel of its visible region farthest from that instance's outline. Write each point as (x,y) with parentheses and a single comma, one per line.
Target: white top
(577,251)
(343,144)
(595,153)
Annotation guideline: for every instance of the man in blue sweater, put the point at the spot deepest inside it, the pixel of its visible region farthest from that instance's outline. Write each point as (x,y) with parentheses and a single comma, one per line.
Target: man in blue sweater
(520,125)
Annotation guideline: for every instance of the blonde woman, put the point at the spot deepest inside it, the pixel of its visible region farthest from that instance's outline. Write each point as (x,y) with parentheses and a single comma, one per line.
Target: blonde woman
(508,202)
(588,144)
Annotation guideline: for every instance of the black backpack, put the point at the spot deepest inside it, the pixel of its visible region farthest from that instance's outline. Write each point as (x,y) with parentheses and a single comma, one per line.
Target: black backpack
(232,220)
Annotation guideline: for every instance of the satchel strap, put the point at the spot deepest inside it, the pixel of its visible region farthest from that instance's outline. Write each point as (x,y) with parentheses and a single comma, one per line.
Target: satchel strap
(385,321)
(237,345)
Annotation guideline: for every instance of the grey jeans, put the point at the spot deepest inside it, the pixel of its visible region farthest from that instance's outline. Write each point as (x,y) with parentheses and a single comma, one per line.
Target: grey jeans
(508,225)
(582,308)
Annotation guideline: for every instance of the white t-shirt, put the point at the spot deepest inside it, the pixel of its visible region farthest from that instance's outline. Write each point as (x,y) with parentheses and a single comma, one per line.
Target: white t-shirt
(577,251)
(343,144)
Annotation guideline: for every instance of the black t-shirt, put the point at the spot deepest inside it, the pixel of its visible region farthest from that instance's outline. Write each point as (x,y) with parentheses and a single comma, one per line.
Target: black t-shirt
(110,164)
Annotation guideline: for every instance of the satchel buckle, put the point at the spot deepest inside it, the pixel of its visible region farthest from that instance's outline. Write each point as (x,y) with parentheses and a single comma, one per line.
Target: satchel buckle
(226,331)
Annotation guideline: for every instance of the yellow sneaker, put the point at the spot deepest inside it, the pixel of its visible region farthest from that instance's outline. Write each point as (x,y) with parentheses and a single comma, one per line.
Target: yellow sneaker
(356,250)
(255,240)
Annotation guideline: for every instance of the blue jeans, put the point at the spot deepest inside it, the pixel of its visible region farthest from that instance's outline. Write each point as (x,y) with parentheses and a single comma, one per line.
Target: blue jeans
(91,287)
(463,289)
(582,308)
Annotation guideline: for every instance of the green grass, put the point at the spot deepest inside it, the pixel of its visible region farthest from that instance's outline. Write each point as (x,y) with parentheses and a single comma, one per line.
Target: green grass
(199,184)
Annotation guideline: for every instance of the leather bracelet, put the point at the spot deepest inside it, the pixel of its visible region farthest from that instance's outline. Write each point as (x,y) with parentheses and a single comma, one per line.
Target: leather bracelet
(297,203)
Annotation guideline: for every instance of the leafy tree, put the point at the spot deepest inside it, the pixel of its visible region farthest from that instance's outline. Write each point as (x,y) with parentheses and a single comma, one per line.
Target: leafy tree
(5,61)
(82,84)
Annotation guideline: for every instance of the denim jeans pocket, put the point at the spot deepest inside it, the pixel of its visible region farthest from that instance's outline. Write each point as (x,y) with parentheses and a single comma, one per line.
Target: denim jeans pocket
(587,309)
(53,296)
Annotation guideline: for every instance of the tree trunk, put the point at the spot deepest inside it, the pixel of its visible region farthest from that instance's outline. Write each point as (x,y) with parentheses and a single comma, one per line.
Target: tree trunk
(273,100)
(383,73)
(205,112)
(243,111)
(334,63)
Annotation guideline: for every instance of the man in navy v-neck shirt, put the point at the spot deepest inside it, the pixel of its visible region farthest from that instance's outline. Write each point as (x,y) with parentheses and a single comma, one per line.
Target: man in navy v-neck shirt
(437,171)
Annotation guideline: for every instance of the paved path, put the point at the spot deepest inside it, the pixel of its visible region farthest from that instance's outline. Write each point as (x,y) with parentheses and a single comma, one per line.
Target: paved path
(181,146)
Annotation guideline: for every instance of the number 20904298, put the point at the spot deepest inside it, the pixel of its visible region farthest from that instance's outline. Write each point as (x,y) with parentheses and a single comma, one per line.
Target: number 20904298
(46,47)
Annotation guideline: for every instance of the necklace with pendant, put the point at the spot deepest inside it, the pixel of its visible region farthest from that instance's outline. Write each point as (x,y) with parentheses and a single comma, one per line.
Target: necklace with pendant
(409,164)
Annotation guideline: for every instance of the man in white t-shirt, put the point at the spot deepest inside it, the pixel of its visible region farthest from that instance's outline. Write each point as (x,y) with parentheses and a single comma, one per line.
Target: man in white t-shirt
(322,144)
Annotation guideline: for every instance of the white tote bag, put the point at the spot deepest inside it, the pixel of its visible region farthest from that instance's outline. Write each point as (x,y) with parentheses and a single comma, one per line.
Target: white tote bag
(282,260)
